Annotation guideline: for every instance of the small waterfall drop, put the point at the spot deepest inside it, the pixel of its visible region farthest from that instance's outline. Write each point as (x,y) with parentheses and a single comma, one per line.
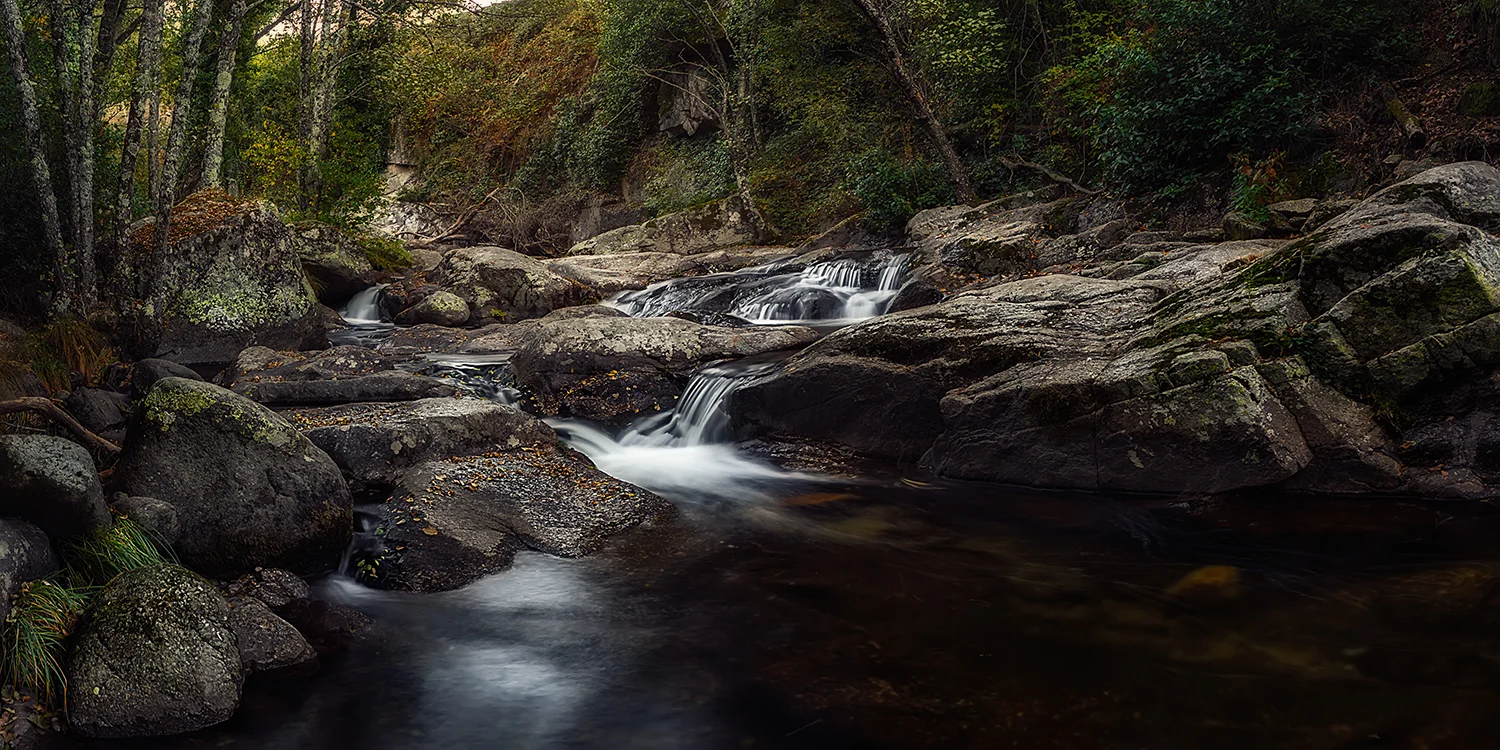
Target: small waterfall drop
(364,308)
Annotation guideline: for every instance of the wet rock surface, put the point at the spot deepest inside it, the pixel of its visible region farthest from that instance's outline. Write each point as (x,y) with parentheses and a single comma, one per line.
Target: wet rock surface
(266,642)
(249,489)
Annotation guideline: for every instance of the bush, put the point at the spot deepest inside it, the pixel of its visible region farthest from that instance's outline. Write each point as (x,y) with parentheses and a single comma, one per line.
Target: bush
(891,192)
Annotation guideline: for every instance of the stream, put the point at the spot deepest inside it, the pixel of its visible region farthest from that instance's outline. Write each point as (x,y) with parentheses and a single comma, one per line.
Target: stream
(787,609)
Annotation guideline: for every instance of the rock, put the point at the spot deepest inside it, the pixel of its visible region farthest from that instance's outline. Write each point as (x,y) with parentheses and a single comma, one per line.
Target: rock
(504,285)
(147,371)
(685,110)
(608,274)
(1480,100)
(159,516)
(329,628)
(1295,209)
(1327,211)
(98,410)
(273,587)
(231,278)
(249,490)
(717,225)
(336,263)
(426,339)
(25,555)
(612,369)
(52,483)
(458,520)
(266,642)
(440,308)
(390,386)
(1238,226)
(377,443)
(261,365)
(404,220)
(154,656)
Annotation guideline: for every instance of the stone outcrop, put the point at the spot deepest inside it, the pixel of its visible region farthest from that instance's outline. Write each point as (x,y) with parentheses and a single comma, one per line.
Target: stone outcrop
(501,285)
(230,278)
(336,263)
(713,226)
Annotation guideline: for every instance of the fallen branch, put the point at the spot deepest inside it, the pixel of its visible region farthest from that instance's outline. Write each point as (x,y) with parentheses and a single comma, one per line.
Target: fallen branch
(463,219)
(1048,172)
(47,408)
(1411,127)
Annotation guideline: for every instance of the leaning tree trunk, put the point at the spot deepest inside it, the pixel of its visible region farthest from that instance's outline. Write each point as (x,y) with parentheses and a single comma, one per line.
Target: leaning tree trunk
(143,88)
(182,111)
(41,175)
(218,110)
(917,98)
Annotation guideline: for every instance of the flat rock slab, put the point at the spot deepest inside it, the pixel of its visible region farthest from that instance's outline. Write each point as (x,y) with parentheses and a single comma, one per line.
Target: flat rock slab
(390,386)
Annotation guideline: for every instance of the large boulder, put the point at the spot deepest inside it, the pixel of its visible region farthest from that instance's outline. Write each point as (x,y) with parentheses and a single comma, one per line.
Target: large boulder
(377,443)
(608,274)
(712,226)
(439,308)
(26,554)
(52,483)
(504,285)
(1330,364)
(611,369)
(154,656)
(341,375)
(249,489)
(337,265)
(454,521)
(230,278)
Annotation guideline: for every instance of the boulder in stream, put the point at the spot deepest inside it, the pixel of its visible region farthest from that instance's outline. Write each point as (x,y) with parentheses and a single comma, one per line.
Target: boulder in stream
(248,488)
(504,285)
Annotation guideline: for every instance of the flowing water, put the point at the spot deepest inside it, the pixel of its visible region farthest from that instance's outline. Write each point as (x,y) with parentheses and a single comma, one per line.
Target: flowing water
(365,320)
(785,609)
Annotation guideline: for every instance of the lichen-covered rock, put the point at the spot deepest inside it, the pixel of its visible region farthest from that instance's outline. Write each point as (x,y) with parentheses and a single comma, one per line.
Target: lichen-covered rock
(230,278)
(439,308)
(146,372)
(154,656)
(457,520)
(25,555)
(612,369)
(52,483)
(266,642)
(377,443)
(506,286)
(388,386)
(273,587)
(709,227)
(249,489)
(336,263)
(608,274)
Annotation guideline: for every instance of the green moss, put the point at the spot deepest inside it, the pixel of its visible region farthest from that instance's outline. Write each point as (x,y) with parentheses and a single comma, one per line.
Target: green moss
(1480,100)
(190,398)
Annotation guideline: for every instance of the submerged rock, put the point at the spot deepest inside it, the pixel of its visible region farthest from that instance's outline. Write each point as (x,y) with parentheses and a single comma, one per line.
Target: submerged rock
(612,369)
(52,483)
(154,656)
(455,521)
(230,278)
(377,443)
(248,488)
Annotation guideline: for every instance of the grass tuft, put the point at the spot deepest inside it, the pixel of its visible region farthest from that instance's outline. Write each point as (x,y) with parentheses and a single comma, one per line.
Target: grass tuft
(33,640)
(99,557)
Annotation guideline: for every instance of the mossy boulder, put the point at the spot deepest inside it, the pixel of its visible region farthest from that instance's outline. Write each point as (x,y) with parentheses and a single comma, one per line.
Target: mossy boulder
(154,655)
(501,285)
(250,491)
(439,308)
(1480,100)
(335,262)
(230,278)
(711,226)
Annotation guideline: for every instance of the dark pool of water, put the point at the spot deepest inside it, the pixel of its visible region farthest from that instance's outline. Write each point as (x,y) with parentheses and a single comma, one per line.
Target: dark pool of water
(964,617)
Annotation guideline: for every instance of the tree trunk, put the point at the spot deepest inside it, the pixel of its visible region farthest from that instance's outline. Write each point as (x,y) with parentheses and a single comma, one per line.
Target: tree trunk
(142,92)
(324,30)
(153,145)
(915,96)
(110,22)
(306,84)
(182,111)
(218,111)
(41,175)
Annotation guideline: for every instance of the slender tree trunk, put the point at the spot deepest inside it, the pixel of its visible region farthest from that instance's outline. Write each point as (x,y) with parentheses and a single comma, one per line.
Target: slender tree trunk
(218,111)
(182,111)
(142,98)
(153,144)
(324,32)
(85,123)
(915,96)
(306,84)
(110,22)
(41,175)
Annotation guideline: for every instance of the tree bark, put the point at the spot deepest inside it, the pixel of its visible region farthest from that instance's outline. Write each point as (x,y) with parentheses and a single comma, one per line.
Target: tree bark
(324,30)
(182,111)
(142,90)
(915,96)
(41,174)
(218,111)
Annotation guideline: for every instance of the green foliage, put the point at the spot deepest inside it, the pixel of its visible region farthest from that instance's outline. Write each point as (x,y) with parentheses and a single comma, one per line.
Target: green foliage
(1189,82)
(33,641)
(686,173)
(892,191)
(1257,185)
(125,545)
(384,254)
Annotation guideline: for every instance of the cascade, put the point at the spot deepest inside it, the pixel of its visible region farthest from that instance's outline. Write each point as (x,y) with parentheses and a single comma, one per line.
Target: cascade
(364,308)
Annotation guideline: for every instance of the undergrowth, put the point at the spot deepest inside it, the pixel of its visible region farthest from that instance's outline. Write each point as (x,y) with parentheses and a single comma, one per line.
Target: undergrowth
(99,557)
(41,618)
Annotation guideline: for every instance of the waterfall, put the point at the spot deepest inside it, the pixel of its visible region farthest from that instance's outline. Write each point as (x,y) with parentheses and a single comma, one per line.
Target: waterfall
(364,308)
(845,290)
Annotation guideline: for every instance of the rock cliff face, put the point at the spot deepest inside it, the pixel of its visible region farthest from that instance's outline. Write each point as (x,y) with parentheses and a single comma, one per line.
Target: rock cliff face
(1359,358)
(231,278)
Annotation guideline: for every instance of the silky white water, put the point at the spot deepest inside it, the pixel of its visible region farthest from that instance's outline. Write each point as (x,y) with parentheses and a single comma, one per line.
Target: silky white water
(364,308)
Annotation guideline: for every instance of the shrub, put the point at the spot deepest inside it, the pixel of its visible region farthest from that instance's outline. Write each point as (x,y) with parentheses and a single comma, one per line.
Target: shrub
(891,191)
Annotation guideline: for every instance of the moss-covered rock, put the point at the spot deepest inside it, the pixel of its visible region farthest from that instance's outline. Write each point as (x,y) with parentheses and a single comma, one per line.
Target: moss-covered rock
(1480,100)
(154,656)
(230,278)
(250,491)
(501,285)
(335,262)
(439,308)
